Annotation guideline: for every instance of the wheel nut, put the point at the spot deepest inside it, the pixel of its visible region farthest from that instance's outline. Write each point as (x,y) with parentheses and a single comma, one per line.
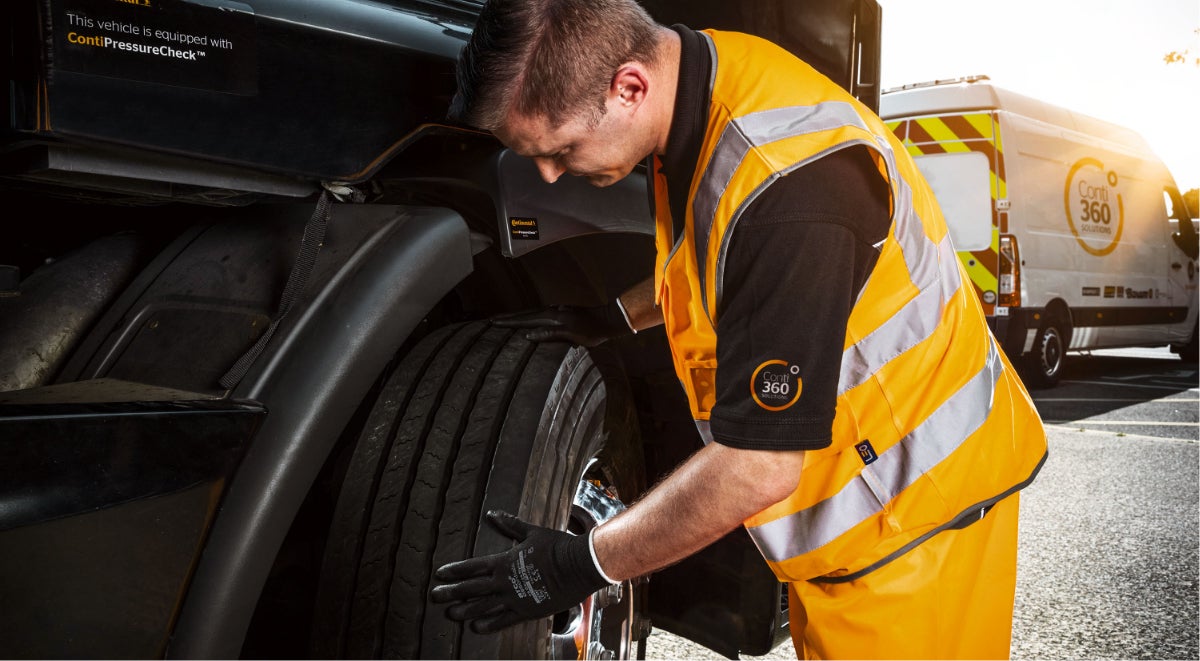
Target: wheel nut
(609,596)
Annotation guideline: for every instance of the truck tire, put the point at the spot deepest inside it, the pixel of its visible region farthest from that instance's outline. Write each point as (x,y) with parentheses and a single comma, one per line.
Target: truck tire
(1044,363)
(475,418)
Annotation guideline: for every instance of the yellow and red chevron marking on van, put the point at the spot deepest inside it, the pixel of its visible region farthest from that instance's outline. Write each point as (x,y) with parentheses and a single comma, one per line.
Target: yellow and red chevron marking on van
(977,132)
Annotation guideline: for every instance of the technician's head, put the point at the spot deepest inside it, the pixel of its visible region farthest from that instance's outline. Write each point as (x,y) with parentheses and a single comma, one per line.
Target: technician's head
(562,81)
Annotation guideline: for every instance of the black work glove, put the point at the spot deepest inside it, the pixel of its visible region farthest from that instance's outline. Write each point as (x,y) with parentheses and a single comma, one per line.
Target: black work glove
(547,572)
(585,326)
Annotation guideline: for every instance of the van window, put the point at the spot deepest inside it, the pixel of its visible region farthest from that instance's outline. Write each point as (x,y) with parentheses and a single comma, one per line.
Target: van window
(962,184)
(1176,207)
(1183,229)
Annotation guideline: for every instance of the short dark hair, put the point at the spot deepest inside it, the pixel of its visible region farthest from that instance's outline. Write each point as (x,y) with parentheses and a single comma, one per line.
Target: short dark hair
(549,58)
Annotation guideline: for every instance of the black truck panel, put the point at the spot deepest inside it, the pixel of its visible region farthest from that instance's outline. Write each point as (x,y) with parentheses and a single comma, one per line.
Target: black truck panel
(97,564)
(275,85)
(167,155)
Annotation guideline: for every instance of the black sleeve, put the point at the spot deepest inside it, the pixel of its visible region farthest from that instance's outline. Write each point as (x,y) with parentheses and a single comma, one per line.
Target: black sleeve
(797,259)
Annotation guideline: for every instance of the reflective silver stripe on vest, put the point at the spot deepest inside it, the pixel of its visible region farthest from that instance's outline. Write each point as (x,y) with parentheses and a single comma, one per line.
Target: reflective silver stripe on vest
(705,429)
(896,469)
(933,270)
(738,138)
(916,321)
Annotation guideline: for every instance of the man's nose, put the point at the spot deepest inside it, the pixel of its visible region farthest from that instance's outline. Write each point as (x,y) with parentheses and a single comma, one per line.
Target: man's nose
(549,169)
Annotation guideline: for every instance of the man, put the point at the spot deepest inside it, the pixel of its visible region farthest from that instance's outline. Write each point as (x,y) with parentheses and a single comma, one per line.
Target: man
(859,418)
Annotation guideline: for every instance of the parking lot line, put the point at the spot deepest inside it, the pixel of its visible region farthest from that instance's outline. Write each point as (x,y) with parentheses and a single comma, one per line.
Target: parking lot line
(1077,427)
(1139,423)
(1124,384)
(1116,399)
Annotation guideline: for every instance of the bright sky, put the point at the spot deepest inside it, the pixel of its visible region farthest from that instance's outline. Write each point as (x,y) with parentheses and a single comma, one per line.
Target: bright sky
(1102,58)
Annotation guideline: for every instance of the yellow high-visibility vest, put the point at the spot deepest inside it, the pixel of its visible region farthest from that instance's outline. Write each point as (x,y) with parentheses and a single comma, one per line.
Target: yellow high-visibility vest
(933,425)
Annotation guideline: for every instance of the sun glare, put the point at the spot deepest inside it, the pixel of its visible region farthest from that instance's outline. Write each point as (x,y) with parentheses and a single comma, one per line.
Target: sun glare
(1104,58)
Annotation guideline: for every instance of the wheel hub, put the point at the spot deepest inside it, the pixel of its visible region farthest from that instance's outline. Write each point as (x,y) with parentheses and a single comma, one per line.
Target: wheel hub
(602,626)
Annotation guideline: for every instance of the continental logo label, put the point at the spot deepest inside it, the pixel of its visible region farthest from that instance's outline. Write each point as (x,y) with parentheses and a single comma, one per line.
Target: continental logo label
(523,229)
(1095,212)
(775,385)
(962,133)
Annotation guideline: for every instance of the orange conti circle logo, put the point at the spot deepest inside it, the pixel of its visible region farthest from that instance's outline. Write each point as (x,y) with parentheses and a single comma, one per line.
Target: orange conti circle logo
(775,385)
(1095,211)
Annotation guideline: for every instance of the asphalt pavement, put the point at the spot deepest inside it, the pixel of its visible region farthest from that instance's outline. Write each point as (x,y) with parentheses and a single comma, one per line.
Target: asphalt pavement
(1107,564)
(1109,552)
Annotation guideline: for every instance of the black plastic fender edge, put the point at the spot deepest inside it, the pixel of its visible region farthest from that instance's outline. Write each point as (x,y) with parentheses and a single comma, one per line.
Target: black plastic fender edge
(311,379)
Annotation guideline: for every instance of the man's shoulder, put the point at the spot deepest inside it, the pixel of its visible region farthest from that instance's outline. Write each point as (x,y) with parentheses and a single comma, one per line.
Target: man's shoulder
(753,73)
(842,187)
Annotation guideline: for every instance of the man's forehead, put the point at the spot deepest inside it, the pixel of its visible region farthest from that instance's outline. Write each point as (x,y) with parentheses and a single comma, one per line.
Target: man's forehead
(530,134)
(524,128)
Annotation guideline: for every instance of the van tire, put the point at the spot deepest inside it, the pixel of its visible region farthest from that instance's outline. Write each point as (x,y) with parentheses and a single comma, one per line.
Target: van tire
(1190,352)
(474,418)
(1044,362)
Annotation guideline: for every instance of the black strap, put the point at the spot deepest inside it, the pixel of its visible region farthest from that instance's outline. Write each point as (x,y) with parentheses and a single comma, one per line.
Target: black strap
(310,245)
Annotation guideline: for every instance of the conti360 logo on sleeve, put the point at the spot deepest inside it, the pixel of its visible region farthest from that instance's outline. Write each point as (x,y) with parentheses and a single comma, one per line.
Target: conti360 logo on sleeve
(775,385)
(1095,211)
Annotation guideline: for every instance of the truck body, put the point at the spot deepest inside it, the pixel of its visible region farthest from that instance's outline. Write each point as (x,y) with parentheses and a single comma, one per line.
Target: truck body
(249,394)
(1071,229)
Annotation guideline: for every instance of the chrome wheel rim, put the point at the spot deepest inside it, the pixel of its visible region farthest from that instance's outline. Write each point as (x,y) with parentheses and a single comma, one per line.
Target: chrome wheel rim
(602,626)
(1052,352)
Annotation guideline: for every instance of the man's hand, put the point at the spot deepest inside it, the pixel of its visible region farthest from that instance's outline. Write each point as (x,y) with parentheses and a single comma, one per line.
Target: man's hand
(548,571)
(585,326)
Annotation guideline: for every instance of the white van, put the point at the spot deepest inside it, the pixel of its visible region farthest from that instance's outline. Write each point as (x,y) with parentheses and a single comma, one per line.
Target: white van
(1071,229)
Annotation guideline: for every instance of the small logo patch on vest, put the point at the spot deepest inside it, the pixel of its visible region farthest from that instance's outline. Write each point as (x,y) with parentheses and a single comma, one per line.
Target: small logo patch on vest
(775,385)
(866,452)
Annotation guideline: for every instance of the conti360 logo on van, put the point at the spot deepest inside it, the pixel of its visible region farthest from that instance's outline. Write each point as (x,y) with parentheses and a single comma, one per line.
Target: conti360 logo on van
(1094,208)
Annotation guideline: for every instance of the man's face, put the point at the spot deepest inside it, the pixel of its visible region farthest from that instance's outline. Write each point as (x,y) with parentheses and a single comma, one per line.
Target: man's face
(604,153)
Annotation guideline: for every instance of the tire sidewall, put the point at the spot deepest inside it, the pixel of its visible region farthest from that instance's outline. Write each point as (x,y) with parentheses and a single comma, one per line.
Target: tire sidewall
(587,415)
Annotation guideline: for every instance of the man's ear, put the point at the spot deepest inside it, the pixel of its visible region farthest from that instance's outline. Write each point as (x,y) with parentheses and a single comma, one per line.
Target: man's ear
(630,85)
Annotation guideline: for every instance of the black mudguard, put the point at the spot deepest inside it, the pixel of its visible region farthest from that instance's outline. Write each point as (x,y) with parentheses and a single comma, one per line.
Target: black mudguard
(312,381)
(177,329)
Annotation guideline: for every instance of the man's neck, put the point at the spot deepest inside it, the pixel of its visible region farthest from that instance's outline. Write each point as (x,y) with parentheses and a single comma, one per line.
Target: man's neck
(690,113)
(667,71)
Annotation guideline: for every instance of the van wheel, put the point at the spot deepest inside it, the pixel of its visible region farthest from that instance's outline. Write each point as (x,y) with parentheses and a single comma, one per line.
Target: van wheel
(477,418)
(1044,364)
